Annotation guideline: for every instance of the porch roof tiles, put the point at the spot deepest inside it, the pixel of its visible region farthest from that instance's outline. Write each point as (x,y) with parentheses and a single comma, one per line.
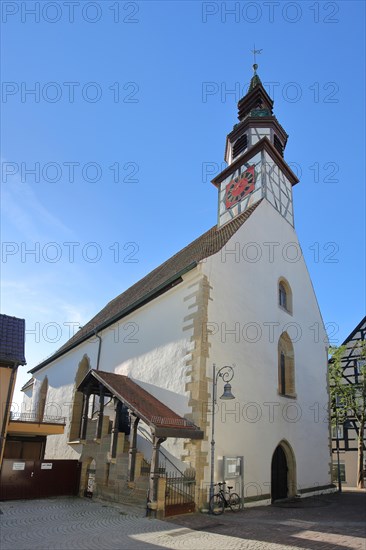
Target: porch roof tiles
(163,421)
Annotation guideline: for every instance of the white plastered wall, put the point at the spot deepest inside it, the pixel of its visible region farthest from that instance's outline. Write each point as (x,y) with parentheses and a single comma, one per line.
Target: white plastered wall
(152,346)
(244,279)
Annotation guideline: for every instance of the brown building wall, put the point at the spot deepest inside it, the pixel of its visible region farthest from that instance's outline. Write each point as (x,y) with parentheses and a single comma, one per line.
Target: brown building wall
(5,382)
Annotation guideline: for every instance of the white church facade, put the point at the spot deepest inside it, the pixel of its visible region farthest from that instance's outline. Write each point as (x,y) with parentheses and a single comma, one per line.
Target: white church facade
(241,296)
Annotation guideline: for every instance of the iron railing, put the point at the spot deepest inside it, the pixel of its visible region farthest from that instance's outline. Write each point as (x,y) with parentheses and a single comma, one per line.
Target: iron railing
(180,493)
(34,417)
(162,467)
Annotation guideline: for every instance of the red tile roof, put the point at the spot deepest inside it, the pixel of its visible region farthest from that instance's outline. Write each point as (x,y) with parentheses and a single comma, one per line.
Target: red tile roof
(156,281)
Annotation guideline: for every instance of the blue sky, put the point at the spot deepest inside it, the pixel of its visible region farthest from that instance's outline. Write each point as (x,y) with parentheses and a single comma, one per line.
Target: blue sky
(132,104)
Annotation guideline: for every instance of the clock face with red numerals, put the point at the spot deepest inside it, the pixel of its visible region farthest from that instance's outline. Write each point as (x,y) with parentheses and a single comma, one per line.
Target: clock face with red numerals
(240,187)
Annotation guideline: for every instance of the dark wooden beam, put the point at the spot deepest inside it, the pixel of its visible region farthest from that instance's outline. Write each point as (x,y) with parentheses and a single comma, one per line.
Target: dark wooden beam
(84,418)
(133,449)
(101,412)
(114,437)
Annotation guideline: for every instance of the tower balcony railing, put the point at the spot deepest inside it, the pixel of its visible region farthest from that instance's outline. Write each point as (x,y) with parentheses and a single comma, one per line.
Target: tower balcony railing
(36,418)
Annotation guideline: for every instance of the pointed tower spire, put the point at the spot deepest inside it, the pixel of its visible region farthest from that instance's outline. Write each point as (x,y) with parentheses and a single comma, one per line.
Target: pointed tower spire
(255,80)
(254,153)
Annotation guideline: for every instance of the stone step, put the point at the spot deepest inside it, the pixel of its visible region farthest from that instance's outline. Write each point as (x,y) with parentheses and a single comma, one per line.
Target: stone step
(138,482)
(123,499)
(121,488)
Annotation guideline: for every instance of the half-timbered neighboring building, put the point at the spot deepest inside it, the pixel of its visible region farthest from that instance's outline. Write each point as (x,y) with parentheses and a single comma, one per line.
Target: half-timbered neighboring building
(136,381)
(345,435)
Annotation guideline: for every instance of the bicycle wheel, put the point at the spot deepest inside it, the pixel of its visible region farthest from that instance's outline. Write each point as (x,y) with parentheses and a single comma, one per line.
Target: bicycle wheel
(217,504)
(235,502)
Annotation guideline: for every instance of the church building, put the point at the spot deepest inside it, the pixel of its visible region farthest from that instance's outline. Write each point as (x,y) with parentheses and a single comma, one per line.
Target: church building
(232,315)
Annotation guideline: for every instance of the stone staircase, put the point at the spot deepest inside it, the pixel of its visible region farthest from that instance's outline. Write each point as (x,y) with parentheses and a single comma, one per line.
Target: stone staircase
(111,474)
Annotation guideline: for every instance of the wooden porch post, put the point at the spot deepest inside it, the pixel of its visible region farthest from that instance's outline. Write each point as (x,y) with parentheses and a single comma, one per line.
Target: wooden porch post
(133,450)
(98,434)
(114,438)
(84,418)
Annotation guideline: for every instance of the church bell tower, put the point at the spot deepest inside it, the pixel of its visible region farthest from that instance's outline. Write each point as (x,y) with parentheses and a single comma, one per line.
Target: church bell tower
(254,154)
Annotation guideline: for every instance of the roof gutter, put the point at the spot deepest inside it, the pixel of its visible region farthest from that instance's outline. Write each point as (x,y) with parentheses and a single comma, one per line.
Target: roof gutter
(139,303)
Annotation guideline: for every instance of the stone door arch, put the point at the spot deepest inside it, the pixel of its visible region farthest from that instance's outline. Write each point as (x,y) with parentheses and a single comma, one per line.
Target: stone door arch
(283,472)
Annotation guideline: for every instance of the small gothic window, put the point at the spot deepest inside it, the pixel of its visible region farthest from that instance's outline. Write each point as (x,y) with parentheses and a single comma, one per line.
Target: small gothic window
(278,145)
(282,373)
(284,295)
(286,366)
(240,145)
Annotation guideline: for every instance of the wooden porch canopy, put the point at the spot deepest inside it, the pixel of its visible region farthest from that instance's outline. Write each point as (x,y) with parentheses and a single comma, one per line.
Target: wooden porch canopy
(162,421)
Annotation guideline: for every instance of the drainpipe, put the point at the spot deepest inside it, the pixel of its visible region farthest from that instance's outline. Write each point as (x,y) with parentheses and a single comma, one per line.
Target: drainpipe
(6,412)
(98,360)
(99,347)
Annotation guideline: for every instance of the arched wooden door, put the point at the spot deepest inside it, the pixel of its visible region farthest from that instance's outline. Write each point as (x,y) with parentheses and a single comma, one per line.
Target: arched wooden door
(279,485)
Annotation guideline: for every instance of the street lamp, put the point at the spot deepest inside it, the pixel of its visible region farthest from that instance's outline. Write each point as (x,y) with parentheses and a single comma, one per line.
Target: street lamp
(227,374)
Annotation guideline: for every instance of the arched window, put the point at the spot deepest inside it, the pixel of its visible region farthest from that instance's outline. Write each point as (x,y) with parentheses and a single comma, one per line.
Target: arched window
(286,366)
(83,369)
(284,295)
(240,144)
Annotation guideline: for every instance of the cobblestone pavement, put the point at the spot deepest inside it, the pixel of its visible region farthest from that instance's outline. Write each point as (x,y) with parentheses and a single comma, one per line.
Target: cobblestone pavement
(331,522)
(328,522)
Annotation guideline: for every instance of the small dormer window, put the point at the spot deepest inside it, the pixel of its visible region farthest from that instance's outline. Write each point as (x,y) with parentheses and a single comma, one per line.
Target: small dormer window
(240,145)
(278,145)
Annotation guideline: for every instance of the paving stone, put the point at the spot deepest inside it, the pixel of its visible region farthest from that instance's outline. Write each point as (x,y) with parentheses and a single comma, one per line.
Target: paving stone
(333,522)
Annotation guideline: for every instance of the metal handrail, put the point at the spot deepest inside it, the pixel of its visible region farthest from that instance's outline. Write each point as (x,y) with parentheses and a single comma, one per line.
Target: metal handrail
(160,451)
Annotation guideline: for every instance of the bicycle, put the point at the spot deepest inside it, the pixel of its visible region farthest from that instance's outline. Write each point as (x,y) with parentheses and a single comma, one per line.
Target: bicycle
(219,502)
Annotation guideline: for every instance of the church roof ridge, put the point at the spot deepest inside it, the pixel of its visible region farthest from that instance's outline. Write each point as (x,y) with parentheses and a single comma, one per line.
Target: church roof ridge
(163,277)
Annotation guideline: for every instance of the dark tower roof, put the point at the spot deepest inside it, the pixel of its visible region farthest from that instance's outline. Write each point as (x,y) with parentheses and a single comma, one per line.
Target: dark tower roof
(256,101)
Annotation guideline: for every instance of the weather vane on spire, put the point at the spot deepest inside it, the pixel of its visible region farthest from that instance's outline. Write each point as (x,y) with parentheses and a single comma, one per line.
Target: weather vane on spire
(255,52)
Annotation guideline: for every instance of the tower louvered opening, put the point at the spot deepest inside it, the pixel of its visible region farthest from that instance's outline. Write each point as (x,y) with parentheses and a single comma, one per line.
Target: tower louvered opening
(278,145)
(240,145)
